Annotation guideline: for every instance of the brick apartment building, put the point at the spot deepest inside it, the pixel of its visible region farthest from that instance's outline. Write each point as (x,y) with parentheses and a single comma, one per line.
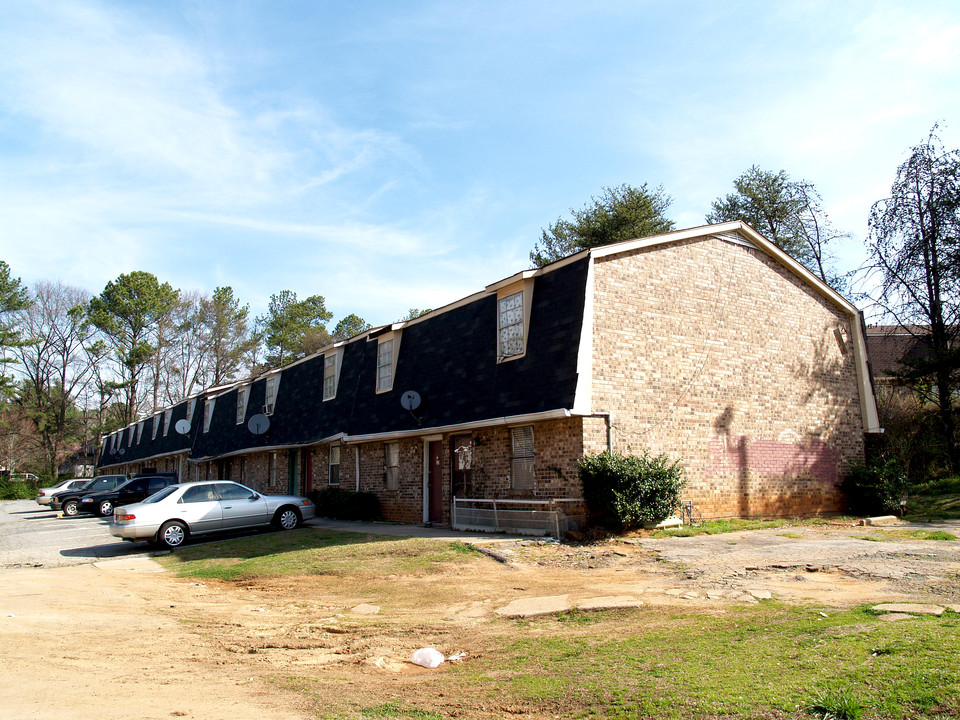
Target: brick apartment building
(709,344)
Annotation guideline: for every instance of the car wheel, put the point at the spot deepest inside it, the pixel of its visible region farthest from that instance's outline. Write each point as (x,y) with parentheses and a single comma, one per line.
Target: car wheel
(172,534)
(287,518)
(69,508)
(106,507)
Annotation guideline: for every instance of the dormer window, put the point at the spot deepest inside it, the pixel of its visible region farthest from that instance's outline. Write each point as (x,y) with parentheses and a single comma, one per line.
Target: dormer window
(270,393)
(208,413)
(330,376)
(167,417)
(510,326)
(384,365)
(243,395)
(156,426)
(139,431)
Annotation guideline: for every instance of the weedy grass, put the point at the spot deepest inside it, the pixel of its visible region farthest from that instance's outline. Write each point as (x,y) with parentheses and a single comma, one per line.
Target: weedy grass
(310,551)
(902,534)
(747,663)
(835,704)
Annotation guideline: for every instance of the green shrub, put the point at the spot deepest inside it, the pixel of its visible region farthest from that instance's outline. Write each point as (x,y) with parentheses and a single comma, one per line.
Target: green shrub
(17,490)
(626,491)
(340,504)
(876,487)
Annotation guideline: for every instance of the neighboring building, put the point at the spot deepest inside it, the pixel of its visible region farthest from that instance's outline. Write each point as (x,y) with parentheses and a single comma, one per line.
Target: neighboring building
(709,344)
(892,345)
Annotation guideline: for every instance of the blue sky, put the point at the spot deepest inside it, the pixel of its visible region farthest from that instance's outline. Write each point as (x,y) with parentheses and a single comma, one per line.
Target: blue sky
(389,155)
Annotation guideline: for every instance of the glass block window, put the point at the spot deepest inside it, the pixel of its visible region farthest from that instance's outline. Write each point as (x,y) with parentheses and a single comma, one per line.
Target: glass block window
(392,462)
(385,365)
(334,464)
(510,325)
(522,477)
(329,377)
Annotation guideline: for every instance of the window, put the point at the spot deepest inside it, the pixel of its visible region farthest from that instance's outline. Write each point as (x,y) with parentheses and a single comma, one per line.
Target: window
(191,406)
(139,431)
(329,377)
(242,468)
(156,426)
(384,365)
(334,464)
(232,491)
(208,413)
(522,477)
(272,470)
(243,394)
(510,325)
(392,462)
(270,399)
(199,493)
(167,417)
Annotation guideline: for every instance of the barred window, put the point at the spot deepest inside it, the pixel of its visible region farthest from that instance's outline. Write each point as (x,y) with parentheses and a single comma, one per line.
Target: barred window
(522,477)
(392,462)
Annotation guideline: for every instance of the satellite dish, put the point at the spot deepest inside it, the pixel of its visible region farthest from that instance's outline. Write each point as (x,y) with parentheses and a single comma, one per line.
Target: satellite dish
(122,451)
(258,424)
(182,426)
(410,400)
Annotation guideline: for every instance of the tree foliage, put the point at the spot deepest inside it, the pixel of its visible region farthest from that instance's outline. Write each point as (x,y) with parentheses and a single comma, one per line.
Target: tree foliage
(294,328)
(350,326)
(914,247)
(620,213)
(13,297)
(787,212)
(128,312)
(226,332)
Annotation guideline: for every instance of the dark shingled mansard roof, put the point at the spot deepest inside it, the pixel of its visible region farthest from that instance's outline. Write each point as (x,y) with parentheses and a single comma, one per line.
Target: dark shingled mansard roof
(449,357)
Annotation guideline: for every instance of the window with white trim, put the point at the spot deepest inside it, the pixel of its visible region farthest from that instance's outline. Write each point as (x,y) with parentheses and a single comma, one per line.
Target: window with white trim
(510,325)
(334,477)
(191,406)
(522,476)
(270,394)
(208,412)
(243,395)
(329,377)
(384,365)
(392,464)
(139,431)
(155,427)
(167,417)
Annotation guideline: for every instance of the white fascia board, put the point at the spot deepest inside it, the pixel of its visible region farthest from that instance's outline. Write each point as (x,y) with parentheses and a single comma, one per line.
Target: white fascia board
(268,448)
(460,427)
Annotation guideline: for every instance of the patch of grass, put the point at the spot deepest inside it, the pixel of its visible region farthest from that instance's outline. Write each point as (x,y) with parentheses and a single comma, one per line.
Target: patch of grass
(759,661)
(310,551)
(577,617)
(394,710)
(837,704)
(898,535)
(791,535)
(715,527)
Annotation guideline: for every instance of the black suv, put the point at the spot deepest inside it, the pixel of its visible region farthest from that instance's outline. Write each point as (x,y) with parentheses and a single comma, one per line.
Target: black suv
(68,501)
(132,491)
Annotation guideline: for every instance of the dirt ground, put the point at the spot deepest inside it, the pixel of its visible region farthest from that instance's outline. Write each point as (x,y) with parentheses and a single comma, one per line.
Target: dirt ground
(125,639)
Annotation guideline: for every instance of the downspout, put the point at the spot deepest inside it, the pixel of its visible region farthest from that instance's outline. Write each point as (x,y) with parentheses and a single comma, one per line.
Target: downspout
(608,420)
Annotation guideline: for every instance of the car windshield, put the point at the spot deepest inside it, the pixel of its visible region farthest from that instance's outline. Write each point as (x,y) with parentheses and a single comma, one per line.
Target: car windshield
(92,484)
(158,496)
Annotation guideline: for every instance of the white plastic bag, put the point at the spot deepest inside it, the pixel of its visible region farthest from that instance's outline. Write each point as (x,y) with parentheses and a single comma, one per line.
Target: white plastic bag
(427,657)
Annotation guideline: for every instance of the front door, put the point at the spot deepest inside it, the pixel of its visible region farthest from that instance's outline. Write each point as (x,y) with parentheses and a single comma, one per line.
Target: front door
(436,482)
(294,472)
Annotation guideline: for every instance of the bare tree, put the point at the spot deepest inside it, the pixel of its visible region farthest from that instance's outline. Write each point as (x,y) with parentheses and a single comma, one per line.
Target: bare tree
(914,247)
(55,367)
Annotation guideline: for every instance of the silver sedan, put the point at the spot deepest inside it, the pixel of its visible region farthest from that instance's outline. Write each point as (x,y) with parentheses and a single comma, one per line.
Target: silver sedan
(175,513)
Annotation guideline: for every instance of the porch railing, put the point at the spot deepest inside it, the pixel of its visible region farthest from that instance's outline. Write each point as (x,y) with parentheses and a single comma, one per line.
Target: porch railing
(518,517)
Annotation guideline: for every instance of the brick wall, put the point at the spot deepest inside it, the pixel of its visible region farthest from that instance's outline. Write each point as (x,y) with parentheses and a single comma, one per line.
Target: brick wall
(713,352)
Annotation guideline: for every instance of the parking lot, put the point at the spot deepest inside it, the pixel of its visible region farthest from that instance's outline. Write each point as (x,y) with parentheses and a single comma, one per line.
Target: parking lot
(33,536)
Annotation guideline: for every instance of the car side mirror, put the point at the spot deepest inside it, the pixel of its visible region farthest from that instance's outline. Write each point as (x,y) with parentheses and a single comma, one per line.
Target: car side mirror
(255,496)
